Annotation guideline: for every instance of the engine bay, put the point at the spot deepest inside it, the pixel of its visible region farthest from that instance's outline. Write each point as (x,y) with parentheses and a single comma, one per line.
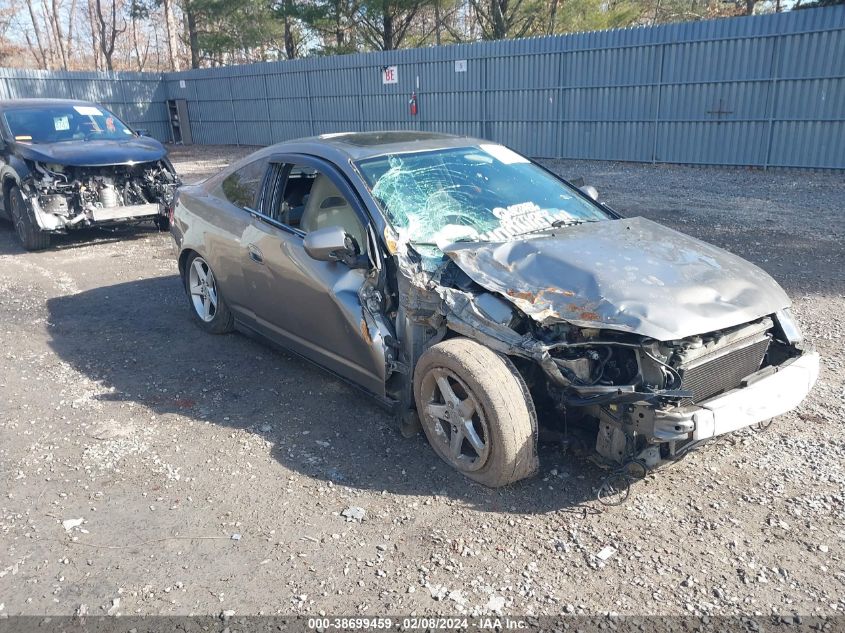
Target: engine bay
(65,197)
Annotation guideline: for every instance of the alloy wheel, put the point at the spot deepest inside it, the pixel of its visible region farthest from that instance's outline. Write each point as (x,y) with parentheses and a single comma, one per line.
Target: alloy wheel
(455,420)
(203,289)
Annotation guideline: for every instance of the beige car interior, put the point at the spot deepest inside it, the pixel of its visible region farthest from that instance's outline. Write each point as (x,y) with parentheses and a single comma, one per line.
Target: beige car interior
(326,207)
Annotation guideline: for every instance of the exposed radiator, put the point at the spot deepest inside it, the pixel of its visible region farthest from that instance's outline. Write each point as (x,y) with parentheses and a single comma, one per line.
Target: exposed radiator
(723,369)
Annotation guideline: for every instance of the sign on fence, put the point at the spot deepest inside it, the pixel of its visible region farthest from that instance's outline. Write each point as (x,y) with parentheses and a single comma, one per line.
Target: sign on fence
(389,75)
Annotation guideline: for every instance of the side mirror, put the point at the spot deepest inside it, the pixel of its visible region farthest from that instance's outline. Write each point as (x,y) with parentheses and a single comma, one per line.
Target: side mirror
(143,132)
(590,191)
(333,244)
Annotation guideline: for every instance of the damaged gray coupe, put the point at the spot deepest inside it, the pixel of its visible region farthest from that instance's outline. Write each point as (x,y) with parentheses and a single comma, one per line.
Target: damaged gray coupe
(468,288)
(66,165)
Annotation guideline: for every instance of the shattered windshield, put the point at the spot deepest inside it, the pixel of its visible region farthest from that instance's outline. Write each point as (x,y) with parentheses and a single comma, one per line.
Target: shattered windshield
(484,193)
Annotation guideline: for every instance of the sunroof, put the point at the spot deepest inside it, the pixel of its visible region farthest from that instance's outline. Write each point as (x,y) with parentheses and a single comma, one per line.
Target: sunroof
(370,139)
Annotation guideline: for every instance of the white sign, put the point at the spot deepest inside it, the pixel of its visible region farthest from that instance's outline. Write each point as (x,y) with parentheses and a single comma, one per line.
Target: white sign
(389,75)
(181,83)
(88,110)
(460,65)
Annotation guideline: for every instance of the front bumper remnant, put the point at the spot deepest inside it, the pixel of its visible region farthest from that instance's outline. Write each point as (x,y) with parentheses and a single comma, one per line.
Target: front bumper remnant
(770,392)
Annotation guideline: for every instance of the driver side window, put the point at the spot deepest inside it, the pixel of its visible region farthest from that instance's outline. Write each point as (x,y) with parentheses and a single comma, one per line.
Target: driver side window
(309,200)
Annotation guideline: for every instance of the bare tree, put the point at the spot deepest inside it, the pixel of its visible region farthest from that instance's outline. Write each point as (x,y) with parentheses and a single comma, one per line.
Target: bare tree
(96,52)
(172,39)
(63,41)
(10,51)
(43,56)
(107,25)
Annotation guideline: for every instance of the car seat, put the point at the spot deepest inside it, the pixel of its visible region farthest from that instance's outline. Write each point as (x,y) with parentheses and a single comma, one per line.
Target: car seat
(326,207)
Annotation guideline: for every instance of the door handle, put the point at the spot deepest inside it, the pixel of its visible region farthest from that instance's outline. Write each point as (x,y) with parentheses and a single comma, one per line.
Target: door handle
(255,254)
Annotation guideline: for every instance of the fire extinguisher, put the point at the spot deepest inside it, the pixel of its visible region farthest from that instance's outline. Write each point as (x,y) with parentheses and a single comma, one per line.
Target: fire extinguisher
(412,103)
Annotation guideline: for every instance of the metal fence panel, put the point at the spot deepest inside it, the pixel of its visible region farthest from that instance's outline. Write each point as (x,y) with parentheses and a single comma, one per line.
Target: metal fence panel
(137,98)
(763,90)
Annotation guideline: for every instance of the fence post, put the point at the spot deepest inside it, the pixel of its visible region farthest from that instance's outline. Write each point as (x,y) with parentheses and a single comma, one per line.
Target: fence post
(310,105)
(267,108)
(657,105)
(561,83)
(774,71)
(361,98)
(232,105)
(122,84)
(484,133)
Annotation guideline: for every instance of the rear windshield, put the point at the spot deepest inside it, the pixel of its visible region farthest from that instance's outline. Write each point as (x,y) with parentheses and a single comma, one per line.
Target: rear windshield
(59,123)
(483,193)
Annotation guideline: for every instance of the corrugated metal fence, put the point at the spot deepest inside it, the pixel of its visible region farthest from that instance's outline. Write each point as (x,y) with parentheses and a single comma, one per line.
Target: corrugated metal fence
(763,91)
(139,99)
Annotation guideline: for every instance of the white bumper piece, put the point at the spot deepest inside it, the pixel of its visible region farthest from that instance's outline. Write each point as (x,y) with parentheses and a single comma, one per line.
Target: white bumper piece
(761,400)
(100,214)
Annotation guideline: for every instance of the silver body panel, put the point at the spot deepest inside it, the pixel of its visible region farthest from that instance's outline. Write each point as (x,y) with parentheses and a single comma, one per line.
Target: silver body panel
(631,275)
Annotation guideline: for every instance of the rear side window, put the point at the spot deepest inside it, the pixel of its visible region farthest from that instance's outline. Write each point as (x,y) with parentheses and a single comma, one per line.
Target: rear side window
(241,187)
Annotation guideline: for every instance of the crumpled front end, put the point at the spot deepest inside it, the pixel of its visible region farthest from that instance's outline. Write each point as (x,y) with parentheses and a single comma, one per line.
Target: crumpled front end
(650,400)
(63,197)
(650,383)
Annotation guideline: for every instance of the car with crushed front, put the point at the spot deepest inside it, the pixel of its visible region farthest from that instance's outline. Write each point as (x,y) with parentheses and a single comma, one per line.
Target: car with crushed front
(67,164)
(466,287)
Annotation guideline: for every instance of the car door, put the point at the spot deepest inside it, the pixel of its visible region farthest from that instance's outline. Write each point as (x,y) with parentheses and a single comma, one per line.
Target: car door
(312,307)
(234,199)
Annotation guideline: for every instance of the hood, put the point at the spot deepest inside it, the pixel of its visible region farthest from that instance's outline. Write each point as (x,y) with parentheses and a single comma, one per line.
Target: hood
(137,149)
(632,275)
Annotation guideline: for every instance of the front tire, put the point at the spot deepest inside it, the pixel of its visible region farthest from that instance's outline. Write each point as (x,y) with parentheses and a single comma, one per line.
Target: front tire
(162,223)
(207,305)
(31,237)
(477,412)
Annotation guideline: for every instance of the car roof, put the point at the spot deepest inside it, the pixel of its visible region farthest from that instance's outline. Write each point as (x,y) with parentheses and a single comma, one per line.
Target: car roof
(360,145)
(11,104)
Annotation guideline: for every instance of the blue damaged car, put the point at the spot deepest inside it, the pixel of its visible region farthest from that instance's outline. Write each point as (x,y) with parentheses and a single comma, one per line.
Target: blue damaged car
(69,164)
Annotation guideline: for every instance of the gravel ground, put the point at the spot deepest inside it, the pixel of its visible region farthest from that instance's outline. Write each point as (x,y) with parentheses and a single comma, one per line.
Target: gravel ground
(214,474)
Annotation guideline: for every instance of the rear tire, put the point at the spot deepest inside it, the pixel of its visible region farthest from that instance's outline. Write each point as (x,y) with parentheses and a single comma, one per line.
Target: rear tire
(477,412)
(29,233)
(207,305)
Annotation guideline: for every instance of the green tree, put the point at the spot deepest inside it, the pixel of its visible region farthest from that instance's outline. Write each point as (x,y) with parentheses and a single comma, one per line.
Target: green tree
(385,24)
(334,24)
(569,16)
(232,31)
(500,19)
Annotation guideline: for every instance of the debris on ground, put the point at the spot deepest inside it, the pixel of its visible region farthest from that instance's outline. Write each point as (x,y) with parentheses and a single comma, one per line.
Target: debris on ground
(69,524)
(354,513)
(606,553)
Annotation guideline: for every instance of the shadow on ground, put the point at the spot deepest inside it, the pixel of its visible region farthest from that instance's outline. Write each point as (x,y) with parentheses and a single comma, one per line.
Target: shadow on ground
(137,339)
(79,238)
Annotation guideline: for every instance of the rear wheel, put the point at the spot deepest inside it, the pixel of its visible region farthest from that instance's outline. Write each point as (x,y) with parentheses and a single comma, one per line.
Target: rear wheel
(29,233)
(207,305)
(476,411)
